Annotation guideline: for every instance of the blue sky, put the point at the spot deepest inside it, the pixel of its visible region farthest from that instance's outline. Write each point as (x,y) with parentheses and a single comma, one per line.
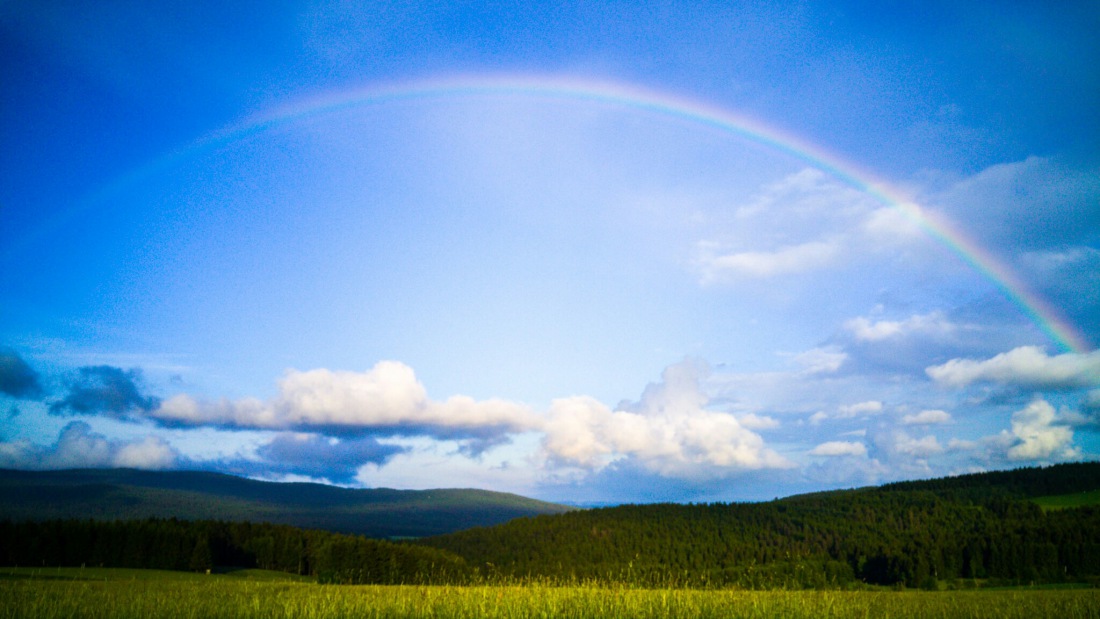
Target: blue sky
(596,253)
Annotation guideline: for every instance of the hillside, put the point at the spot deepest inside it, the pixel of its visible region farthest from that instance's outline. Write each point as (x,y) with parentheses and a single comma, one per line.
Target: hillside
(193,495)
(973,527)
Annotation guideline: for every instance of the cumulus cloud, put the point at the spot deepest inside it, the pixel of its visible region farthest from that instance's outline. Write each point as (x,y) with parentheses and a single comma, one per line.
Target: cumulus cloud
(1026,366)
(847,411)
(1039,436)
(839,448)
(387,399)
(668,432)
(916,447)
(105,390)
(79,447)
(927,418)
(17,379)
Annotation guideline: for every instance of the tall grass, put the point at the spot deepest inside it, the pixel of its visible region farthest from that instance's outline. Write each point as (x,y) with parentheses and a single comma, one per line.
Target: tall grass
(222,598)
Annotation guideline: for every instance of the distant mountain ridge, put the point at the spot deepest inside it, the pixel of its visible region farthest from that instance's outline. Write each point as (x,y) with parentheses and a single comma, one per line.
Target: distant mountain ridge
(116,494)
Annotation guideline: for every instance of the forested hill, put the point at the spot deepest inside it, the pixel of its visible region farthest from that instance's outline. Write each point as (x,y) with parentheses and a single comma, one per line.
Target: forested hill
(1026,482)
(1022,483)
(915,534)
(193,495)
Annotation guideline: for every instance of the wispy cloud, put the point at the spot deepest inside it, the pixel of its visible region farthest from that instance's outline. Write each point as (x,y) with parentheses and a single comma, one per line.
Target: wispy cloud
(926,418)
(790,259)
(839,448)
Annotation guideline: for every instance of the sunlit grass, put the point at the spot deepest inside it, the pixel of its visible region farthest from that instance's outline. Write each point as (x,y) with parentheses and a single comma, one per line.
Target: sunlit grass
(125,594)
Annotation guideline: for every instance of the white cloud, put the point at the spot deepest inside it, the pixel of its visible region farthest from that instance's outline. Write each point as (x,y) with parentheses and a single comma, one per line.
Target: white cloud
(1037,436)
(958,444)
(847,411)
(866,330)
(753,421)
(1027,366)
(916,447)
(668,432)
(821,360)
(790,259)
(387,397)
(890,224)
(839,448)
(79,447)
(927,417)
(149,453)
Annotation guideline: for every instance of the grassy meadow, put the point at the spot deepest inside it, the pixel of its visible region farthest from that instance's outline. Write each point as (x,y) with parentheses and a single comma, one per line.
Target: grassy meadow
(125,594)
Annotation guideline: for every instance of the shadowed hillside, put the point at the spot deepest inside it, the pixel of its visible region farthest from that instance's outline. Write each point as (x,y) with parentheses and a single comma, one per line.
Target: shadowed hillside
(193,495)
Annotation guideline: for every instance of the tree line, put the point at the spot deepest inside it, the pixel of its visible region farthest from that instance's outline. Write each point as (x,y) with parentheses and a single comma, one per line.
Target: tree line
(172,544)
(918,534)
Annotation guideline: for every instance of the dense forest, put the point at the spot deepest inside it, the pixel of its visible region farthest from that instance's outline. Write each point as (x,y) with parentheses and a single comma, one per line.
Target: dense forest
(962,530)
(171,544)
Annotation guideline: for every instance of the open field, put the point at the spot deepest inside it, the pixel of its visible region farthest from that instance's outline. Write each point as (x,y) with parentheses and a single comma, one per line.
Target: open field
(125,594)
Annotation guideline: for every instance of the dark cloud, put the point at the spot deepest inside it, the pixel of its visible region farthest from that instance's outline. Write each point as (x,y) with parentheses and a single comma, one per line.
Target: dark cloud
(313,455)
(105,390)
(17,379)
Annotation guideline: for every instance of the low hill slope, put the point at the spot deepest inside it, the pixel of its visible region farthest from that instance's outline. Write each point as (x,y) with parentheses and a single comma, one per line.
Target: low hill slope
(193,495)
(914,535)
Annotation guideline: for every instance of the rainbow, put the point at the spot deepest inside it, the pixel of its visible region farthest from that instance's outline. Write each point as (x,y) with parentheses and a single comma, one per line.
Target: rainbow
(1037,309)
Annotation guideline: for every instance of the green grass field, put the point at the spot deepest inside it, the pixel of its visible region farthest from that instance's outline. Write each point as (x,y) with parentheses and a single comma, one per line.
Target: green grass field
(1066,501)
(125,594)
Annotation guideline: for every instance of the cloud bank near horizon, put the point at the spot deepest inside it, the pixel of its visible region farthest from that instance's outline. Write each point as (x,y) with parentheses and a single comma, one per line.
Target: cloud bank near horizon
(330,425)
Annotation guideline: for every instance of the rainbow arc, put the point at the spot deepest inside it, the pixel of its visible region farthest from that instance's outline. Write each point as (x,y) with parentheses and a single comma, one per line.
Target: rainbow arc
(1035,307)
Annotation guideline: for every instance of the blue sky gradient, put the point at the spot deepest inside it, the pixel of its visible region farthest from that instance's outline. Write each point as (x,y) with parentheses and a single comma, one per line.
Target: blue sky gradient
(595,252)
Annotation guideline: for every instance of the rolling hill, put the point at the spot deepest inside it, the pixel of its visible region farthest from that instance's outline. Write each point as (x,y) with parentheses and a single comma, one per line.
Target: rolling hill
(1010,527)
(972,527)
(119,494)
